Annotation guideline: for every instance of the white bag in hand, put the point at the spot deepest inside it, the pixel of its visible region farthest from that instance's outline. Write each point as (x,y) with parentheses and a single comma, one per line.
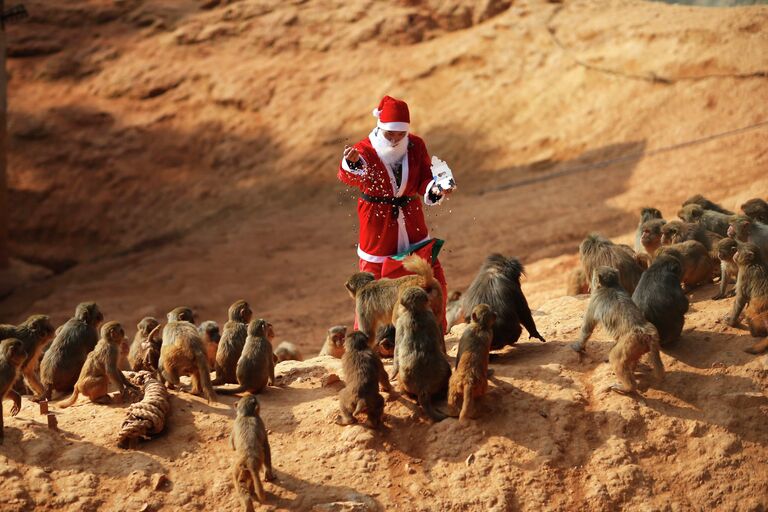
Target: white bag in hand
(442,174)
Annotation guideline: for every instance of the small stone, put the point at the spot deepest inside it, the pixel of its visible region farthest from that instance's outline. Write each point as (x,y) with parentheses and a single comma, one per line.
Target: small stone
(329,379)
(470,460)
(159,481)
(144,508)
(409,469)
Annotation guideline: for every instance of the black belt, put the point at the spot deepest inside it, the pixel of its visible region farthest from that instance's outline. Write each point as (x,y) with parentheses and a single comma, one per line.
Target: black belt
(396,202)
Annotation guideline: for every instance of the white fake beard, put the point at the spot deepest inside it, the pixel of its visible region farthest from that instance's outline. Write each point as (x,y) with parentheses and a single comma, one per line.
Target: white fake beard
(389,154)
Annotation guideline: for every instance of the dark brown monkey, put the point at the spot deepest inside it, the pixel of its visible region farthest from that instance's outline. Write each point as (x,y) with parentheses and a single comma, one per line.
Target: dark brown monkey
(675,232)
(211,335)
(182,353)
(287,351)
(148,356)
(646,214)
(453,313)
(660,297)
(697,265)
(713,221)
(12,358)
(101,367)
(752,292)
(385,340)
(470,380)
(706,204)
(61,363)
(612,306)
(232,342)
(726,248)
(498,285)
(34,333)
(375,299)
(745,229)
(419,363)
(251,444)
(650,235)
(256,366)
(756,209)
(334,342)
(363,373)
(577,282)
(143,329)
(596,251)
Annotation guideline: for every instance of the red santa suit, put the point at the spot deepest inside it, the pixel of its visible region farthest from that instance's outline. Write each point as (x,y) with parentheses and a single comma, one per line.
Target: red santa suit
(390,214)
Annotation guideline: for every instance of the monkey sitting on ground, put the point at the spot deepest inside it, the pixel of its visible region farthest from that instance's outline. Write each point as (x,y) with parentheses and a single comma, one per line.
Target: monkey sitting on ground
(596,251)
(34,333)
(143,329)
(453,314)
(697,265)
(706,204)
(287,351)
(577,282)
(251,445)
(256,366)
(148,355)
(363,373)
(498,285)
(470,380)
(12,358)
(61,363)
(101,367)
(646,214)
(334,342)
(232,342)
(713,221)
(744,229)
(756,209)
(726,248)
(211,335)
(676,232)
(612,306)
(752,292)
(650,236)
(419,363)
(182,353)
(660,297)
(375,299)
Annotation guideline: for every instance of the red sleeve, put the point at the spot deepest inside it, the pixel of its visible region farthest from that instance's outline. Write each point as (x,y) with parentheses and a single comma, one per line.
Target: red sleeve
(352,179)
(425,165)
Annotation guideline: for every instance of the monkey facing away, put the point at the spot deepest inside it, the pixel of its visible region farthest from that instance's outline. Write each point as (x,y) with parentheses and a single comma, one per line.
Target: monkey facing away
(363,374)
(612,306)
(12,358)
(256,366)
(646,214)
(334,342)
(182,353)
(497,284)
(211,335)
(232,342)
(713,221)
(756,209)
(752,293)
(470,380)
(101,367)
(729,270)
(695,261)
(251,444)
(596,251)
(34,333)
(143,328)
(61,363)
(706,204)
(661,299)
(419,363)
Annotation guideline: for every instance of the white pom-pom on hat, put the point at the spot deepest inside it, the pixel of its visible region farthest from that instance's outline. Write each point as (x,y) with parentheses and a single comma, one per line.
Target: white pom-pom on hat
(376,113)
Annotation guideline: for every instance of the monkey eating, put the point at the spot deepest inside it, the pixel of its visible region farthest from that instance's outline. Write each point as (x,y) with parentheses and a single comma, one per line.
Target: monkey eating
(419,362)
(12,358)
(101,367)
(251,444)
(34,334)
(232,342)
(611,305)
(256,366)
(497,284)
(334,342)
(470,380)
(752,293)
(363,374)
(61,364)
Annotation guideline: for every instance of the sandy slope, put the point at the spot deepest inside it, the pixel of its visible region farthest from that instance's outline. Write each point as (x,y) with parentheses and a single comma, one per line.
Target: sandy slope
(164,153)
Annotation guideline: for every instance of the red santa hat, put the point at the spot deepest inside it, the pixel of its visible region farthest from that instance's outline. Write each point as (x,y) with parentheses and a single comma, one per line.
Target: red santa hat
(392,114)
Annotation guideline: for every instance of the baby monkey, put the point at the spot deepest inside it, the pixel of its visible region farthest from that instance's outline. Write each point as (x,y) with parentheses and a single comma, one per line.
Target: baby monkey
(249,440)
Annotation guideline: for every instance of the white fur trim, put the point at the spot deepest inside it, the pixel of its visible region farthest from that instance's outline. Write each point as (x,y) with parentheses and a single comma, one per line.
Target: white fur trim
(381,259)
(376,113)
(429,202)
(357,172)
(393,127)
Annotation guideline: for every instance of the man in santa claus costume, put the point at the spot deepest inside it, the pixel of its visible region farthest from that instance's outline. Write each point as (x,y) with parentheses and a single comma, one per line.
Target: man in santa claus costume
(393,171)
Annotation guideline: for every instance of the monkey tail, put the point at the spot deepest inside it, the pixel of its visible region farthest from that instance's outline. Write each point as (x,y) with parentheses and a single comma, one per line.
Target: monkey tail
(254,470)
(205,376)
(418,265)
(71,400)
(425,399)
(467,404)
(152,333)
(230,391)
(651,338)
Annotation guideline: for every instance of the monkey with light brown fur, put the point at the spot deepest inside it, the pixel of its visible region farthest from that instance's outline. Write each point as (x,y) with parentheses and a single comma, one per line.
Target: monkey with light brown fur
(101,367)
(251,444)
(612,306)
(363,374)
(34,333)
(12,358)
(752,293)
(596,250)
(577,282)
(334,342)
(470,380)
(729,270)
